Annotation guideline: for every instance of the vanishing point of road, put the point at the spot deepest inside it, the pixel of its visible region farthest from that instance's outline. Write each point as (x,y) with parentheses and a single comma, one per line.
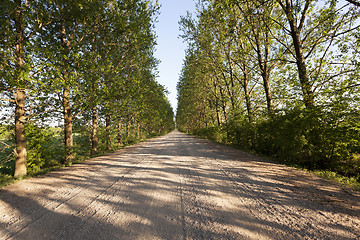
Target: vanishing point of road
(178,187)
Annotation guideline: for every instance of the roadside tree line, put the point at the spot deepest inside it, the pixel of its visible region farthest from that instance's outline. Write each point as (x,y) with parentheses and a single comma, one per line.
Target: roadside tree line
(77,69)
(279,77)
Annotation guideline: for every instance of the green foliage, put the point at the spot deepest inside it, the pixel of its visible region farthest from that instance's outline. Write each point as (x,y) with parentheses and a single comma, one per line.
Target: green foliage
(241,133)
(83,61)
(6,149)
(298,136)
(353,182)
(5,131)
(291,92)
(216,134)
(43,147)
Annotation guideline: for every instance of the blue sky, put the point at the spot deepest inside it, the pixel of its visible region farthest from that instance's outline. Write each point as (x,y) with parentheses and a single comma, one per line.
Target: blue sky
(170,49)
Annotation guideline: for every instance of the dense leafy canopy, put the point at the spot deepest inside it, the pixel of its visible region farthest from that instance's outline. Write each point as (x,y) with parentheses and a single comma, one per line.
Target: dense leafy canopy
(279,77)
(80,71)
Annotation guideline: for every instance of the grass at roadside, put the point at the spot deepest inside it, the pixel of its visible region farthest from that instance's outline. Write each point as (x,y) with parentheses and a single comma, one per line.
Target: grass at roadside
(350,182)
(6,179)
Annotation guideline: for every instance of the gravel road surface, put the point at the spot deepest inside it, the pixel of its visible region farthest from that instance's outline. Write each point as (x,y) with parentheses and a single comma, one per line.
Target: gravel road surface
(178,187)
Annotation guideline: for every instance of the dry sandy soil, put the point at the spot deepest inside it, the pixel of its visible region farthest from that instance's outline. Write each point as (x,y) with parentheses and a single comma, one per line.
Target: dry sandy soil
(178,187)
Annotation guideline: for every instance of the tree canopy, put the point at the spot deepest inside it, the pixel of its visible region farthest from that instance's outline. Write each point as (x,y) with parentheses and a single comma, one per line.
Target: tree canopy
(83,69)
(277,77)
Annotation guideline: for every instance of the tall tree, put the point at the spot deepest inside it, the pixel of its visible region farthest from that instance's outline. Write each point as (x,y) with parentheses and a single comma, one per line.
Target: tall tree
(18,25)
(62,41)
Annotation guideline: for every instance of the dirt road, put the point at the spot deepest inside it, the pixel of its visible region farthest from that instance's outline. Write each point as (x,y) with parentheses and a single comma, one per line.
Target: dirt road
(178,187)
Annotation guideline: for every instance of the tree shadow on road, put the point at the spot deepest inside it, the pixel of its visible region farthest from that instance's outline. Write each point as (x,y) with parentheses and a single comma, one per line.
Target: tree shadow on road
(177,187)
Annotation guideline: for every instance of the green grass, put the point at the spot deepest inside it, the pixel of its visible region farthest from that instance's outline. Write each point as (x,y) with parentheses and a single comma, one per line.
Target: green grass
(7,180)
(79,156)
(350,182)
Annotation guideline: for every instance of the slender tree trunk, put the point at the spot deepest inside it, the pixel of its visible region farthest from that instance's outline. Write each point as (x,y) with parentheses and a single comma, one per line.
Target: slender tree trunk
(20,139)
(308,95)
(128,129)
(141,131)
(223,104)
(133,129)
(252,137)
(68,137)
(218,116)
(264,69)
(230,91)
(108,132)
(268,94)
(217,105)
(138,131)
(94,140)
(266,75)
(119,137)
(247,94)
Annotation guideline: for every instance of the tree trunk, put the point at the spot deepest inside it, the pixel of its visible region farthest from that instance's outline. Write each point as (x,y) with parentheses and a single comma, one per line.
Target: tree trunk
(67,126)
(218,116)
(217,105)
(108,132)
(265,71)
(269,105)
(266,77)
(308,95)
(133,129)
(128,129)
(20,139)
(68,138)
(94,140)
(141,131)
(230,91)
(223,104)
(119,137)
(138,131)
(246,93)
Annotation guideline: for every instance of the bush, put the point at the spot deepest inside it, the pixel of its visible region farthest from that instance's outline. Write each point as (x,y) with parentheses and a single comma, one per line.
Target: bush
(314,139)
(44,148)
(241,133)
(217,134)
